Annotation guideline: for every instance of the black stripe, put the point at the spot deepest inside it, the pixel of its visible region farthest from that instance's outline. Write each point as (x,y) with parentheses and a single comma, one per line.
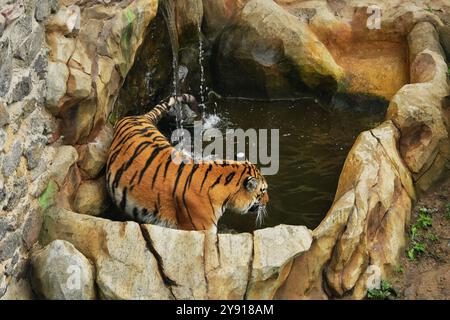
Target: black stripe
(169,160)
(240,177)
(229,178)
(179,173)
(216,182)
(156,175)
(123,202)
(150,159)
(206,174)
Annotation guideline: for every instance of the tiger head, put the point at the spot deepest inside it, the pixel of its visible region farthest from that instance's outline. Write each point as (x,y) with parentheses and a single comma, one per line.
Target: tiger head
(251,197)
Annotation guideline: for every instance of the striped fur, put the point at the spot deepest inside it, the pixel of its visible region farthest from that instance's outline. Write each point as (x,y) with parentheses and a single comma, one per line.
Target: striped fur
(147,184)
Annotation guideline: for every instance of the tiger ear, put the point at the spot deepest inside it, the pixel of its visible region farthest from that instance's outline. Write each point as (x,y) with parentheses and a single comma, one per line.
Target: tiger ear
(251,183)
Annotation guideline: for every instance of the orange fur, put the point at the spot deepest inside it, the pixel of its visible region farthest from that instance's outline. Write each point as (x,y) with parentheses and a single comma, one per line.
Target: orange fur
(147,184)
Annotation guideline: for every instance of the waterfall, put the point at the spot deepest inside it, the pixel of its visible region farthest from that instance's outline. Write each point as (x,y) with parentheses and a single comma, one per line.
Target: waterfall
(168,11)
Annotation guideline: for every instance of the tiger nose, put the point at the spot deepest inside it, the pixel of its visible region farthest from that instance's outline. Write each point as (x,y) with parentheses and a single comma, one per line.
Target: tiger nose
(265,198)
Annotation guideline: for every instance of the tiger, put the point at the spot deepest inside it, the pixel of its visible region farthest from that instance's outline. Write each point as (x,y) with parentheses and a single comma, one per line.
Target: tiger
(152,182)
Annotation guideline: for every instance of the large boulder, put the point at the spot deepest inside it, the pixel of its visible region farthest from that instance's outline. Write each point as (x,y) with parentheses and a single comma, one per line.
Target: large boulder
(417,111)
(274,251)
(125,267)
(61,272)
(271,53)
(364,230)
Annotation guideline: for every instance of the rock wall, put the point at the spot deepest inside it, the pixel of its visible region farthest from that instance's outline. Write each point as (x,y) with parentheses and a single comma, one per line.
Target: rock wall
(26,129)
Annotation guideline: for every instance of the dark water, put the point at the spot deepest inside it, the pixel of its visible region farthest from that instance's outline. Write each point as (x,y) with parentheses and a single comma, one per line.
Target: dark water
(314,142)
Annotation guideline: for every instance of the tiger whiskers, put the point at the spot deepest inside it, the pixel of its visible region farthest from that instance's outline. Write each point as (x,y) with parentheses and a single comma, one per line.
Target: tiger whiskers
(262,213)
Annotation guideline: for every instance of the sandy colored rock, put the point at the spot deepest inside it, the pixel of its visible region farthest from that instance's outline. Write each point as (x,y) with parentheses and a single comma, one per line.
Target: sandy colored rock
(64,158)
(365,224)
(125,266)
(61,272)
(182,256)
(422,37)
(259,44)
(57,76)
(93,156)
(91,197)
(416,111)
(228,260)
(66,20)
(79,84)
(61,47)
(274,250)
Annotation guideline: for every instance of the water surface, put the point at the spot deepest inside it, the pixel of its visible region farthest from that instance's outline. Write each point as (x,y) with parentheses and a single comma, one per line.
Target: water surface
(314,142)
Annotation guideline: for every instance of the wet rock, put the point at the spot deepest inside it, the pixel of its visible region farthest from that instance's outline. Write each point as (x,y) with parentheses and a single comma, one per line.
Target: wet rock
(125,266)
(12,158)
(43,9)
(61,272)
(93,156)
(91,197)
(274,250)
(58,73)
(276,56)
(64,158)
(21,89)
(228,265)
(182,254)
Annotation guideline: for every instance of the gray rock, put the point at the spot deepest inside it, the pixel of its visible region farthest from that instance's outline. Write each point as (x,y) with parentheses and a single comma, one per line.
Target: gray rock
(3,137)
(31,228)
(43,9)
(9,244)
(20,188)
(61,272)
(54,5)
(12,158)
(30,46)
(5,67)
(33,155)
(21,89)
(6,225)
(40,66)
(4,117)
(2,24)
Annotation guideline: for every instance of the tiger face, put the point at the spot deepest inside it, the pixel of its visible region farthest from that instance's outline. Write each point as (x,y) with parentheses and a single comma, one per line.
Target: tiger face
(251,198)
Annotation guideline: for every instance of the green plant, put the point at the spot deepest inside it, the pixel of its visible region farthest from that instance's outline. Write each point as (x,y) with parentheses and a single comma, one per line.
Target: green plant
(424,220)
(384,292)
(413,232)
(432,237)
(447,211)
(399,269)
(416,249)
